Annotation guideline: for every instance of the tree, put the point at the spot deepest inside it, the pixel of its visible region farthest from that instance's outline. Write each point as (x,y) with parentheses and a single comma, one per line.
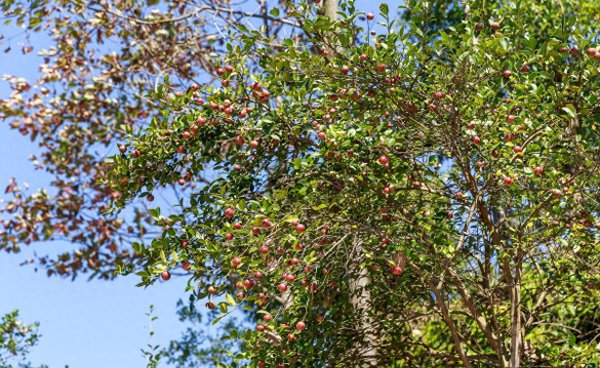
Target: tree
(92,92)
(16,338)
(425,196)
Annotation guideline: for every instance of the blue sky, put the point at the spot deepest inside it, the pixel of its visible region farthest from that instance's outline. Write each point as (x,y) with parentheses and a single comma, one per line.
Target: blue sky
(84,324)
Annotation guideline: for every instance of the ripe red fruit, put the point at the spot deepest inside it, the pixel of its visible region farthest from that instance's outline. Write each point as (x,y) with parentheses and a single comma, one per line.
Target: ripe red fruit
(384,160)
(508,181)
(122,148)
(186,135)
(266,223)
(495,26)
(247,284)
(478,27)
(432,106)
(476,140)
(290,278)
(397,271)
(370,16)
(237,226)
(381,68)
(538,170)
(211,305)
(518,149)
(184,244)
(261,363)
(263,250)
(510,118)
(300,325)
(591,51)
(240,295)
(282,287)
(300,228)
(459,196)
(267,317)
(254,143)
(385,241)
(186,265)
(236,262)
(165,275)
(229,213)
(345,69)
(363,57)
(438,95)
(255,230)
(181,149)
(507,73)
(525,68)
(321,135)
(294,261)
(229,236)
(150,198)
(597,56)
(495,153)
(260,328)
(236,167)
(135,154)
(258,275)
(228,68)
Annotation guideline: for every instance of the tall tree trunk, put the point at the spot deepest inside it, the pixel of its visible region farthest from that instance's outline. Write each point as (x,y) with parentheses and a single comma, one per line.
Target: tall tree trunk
(360,296)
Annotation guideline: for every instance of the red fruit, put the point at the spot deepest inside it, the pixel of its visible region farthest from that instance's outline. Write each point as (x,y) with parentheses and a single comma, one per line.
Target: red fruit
(201,121)
(263,250)
(300,228)
(345,69)
(290,278)
(150,198)
(298,246)
(122,148)
(370,16)
(510,118)
(254,143)
(267,317)
(261,363)
(255,230)
(397,271)
(229,213)
(236,167)
(300,326)
(135,154)
(220,71)
(495,26)
(229,236)
(449,215)
(260,328)
(538,170)
(186,135)
(211,305)
(236,262)
(247,284)
(479,164)
(495,153)
(508,181)
(180,149)
(459,196)
(181,181)
(186,265)
(239,140)
(384,160)
(266,223)
(282,287)
(476,140)
(507,73)
(165,275)
(438,95)
(524,68)
(478,27)
(184,244)
(518,149)
(381,68)
(591,51)
(385,241)
(597,56)
(321,135)
(228,68)
(237,226)
(363,57)
(240,295)
(258,275)
(432,106)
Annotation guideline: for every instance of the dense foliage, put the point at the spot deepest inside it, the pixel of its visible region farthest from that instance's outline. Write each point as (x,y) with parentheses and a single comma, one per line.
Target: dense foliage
(418,197)
(371,190)
(16,338)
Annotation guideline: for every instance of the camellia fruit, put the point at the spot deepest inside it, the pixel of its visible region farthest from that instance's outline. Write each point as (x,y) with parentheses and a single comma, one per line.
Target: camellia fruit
(300,326)
(165,275)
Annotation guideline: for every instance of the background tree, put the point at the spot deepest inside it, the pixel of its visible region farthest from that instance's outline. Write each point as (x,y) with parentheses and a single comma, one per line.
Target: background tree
(423,197)
(16,338)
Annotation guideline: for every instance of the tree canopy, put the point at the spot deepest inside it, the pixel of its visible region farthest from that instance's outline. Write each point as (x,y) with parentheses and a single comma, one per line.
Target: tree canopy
(373,190)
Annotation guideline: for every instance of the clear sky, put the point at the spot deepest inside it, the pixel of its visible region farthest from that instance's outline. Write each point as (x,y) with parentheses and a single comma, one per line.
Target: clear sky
(95,324)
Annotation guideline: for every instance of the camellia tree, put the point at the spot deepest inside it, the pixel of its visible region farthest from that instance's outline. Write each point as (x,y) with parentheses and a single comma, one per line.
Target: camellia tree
(421,196)
(16,338)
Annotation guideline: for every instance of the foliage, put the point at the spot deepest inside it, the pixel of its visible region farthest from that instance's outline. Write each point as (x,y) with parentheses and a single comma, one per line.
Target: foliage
(16,338)
(416,198)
